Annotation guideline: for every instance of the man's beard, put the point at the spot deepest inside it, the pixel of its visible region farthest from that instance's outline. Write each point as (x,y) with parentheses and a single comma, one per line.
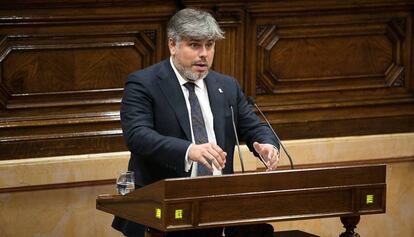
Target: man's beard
(186,72)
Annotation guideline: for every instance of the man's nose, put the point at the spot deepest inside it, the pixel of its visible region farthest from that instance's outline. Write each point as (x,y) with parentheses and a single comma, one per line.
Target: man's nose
(203,51)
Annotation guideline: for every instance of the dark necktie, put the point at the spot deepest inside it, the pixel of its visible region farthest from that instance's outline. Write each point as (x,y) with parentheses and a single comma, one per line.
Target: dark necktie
(199,128)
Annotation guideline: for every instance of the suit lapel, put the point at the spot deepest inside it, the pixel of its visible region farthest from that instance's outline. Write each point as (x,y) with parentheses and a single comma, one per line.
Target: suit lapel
(172,90)
(218,107)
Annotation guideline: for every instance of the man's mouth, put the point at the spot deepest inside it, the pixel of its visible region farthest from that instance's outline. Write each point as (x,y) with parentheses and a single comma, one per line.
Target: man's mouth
(200,66)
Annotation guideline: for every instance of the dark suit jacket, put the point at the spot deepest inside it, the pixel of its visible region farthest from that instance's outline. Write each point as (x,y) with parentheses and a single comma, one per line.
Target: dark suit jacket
(156,126)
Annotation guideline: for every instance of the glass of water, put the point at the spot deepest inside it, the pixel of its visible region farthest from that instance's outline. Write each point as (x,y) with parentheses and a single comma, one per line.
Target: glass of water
(125,182)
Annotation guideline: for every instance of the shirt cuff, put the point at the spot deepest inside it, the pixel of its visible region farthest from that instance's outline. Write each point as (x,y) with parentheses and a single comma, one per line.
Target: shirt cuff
(188,163)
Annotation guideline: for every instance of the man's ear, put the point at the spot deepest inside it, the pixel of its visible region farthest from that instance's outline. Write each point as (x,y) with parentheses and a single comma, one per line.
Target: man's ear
(172,46)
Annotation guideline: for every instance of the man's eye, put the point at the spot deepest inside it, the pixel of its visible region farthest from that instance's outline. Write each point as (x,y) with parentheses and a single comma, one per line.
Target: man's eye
(193,45)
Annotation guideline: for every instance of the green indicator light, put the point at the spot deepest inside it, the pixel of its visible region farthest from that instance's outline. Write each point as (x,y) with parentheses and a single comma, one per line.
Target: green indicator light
(158,213)
(179,214)
(370,199)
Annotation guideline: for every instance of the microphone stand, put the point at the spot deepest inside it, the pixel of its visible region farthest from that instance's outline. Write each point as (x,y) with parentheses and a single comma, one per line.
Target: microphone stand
(251,101)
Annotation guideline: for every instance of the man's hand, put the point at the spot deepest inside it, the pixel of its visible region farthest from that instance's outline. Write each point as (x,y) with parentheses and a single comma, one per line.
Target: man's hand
(268,153)
(206,154)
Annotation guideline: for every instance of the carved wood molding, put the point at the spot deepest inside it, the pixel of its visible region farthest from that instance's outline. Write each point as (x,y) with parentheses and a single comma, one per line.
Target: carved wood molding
(4,96)
(61,88)
(78,11)
(63,144)
(301,7)
(371,54)
(230,57)
(42,73)
(59,186)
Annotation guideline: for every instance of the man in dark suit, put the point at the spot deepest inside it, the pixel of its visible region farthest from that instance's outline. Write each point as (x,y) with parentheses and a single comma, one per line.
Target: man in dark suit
(164,103)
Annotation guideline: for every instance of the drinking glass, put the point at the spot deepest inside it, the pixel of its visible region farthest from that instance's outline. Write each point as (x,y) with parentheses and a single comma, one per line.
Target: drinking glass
(125,182)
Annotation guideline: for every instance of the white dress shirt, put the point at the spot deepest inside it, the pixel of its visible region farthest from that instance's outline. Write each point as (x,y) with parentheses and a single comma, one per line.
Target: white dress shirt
(202,95)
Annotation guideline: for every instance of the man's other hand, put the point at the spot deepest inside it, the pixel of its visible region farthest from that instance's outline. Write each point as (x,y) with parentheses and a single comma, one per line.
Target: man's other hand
(269,154)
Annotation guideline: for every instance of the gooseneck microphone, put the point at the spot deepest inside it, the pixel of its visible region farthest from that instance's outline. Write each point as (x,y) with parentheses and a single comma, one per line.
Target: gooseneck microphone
(237,139)
(251,101)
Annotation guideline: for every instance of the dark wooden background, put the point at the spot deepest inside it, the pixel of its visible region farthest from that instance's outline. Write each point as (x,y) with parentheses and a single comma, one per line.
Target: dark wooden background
(317,68)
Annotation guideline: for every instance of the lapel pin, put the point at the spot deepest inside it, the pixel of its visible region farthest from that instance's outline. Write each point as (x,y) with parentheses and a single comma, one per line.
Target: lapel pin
(220,90)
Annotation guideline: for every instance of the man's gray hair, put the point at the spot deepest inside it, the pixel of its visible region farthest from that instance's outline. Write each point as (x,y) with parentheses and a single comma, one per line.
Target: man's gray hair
(193,24)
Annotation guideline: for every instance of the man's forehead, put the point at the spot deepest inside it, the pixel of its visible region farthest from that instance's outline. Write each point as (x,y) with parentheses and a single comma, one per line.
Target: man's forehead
(198,40)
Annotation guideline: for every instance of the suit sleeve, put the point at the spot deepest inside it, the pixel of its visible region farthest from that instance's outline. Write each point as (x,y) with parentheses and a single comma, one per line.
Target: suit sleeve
(142,139)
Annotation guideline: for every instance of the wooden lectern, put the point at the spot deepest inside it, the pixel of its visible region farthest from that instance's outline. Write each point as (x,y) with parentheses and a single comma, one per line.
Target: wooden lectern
(191,203)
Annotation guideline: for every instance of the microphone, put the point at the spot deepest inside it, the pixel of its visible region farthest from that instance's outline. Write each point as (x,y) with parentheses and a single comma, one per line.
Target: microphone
(237,139)
(251,101)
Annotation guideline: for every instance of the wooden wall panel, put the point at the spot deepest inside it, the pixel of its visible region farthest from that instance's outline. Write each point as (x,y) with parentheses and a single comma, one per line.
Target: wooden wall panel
(333,73)
(63,71)
(61,65)
(229,58)
(329,57)
(317,68)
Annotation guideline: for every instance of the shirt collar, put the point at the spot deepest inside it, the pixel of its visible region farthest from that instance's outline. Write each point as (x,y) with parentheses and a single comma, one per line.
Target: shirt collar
(182,81)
